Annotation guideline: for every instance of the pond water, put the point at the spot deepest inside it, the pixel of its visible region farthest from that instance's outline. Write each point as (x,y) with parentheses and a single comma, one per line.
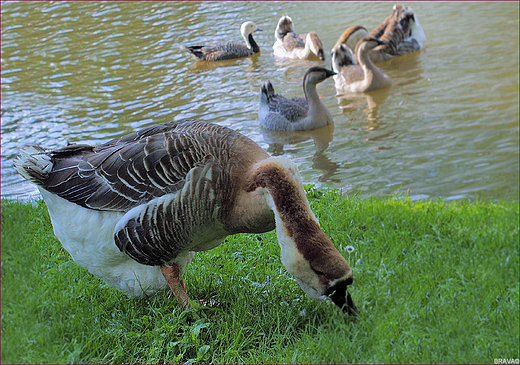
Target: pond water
(448,127)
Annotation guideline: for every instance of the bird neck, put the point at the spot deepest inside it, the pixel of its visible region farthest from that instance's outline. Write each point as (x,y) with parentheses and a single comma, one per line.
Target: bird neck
(286,197)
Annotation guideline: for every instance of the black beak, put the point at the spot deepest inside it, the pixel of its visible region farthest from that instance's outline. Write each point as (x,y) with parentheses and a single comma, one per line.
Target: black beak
(380,42)
(341,297)
(330,73)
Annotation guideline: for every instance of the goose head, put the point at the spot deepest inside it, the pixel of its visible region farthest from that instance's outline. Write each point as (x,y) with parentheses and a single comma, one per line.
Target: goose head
(285,25)
(342,55)
(351,36)
(306,251)
(317,74)
(246,29)
(366,44)
(315,45)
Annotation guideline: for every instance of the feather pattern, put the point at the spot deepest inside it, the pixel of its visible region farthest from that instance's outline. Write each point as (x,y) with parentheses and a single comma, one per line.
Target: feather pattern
(134,210)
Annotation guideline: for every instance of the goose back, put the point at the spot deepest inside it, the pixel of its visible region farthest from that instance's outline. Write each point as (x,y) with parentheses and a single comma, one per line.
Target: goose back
(141,166)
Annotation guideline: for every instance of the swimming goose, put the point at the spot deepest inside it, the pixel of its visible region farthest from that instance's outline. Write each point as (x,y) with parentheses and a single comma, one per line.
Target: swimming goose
(400,30)
(277,113)
(135,210)
(290,45)
(228,50)
(358,78)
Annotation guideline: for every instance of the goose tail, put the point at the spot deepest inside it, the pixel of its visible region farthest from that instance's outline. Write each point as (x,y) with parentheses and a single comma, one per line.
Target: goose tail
(266,93)
(34,164)
(196,52)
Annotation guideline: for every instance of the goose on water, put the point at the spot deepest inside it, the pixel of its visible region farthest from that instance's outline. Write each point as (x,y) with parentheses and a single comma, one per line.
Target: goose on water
(278,113)
(401,31)
(288,44)
(352,77)
(228,50)
(135,210)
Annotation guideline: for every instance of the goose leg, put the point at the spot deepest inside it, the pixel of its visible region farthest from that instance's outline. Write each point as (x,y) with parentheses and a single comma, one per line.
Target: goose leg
(176,284)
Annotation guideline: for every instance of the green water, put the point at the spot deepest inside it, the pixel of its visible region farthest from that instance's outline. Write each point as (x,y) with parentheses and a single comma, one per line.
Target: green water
(448,126)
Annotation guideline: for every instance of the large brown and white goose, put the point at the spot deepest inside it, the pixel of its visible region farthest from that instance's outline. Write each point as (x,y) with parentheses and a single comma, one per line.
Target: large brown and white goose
(401,31)
(228,50)
(288,44)
(278,113)
(135,210)
(358,78)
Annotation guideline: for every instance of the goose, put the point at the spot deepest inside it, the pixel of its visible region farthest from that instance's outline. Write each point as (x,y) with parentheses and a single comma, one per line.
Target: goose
(135,210)
(278,113)
(401,31)
(290,45)
(228,50)
(358,78)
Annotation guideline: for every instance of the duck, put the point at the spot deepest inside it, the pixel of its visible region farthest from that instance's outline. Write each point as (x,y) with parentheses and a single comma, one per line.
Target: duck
(228,50)
(135,210)
(401,31)
(278,113)
(365,76)
(288,44)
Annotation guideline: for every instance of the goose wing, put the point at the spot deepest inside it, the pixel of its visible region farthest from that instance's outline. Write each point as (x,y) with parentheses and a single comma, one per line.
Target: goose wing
(136,168)
(290,109)
(291,41)
(220,51)
(158,231)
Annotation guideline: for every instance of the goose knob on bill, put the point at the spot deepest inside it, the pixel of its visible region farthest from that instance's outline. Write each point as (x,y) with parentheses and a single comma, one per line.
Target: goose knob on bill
(135,210)
(228,50)
(278,113)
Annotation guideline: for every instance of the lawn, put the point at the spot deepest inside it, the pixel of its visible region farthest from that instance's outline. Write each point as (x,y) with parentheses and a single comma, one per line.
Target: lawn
(434,282)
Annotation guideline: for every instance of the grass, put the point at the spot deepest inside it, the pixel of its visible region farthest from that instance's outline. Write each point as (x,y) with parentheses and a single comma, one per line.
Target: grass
(435,282)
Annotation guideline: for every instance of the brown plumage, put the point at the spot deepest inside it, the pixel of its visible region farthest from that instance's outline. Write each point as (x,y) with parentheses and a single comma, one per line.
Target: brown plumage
(400,30)
(134,210)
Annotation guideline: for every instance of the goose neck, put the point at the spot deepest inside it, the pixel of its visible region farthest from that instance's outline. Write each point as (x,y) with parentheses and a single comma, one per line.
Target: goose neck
(366,63)
(251,43)
(309,88)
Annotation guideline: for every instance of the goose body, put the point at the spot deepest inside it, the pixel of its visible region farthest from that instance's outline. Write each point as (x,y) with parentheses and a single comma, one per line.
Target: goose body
(401,31)
(358,78)
(228,50)
(278,113)
(288,44)
(135,210)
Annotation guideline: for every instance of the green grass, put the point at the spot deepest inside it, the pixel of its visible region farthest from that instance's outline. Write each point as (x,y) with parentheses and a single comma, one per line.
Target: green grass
(435,282)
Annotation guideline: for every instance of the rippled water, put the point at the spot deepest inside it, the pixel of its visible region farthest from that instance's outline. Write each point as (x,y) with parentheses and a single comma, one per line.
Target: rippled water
(448,126)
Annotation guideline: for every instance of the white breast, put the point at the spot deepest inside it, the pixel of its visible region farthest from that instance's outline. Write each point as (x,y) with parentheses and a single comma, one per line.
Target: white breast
(87,235)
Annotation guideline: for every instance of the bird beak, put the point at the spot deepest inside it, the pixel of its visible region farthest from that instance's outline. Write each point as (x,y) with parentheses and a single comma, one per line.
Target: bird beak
(342,298)
(330,73)
(258,29)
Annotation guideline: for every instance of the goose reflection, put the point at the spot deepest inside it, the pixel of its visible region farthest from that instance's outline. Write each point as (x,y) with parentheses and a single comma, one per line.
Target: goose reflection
(355,101)
(321,137)
(251,63)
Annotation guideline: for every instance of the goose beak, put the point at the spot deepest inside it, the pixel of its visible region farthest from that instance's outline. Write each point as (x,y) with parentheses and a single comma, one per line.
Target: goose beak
(330,73)
(380,42)
(258,29)
(342,298)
